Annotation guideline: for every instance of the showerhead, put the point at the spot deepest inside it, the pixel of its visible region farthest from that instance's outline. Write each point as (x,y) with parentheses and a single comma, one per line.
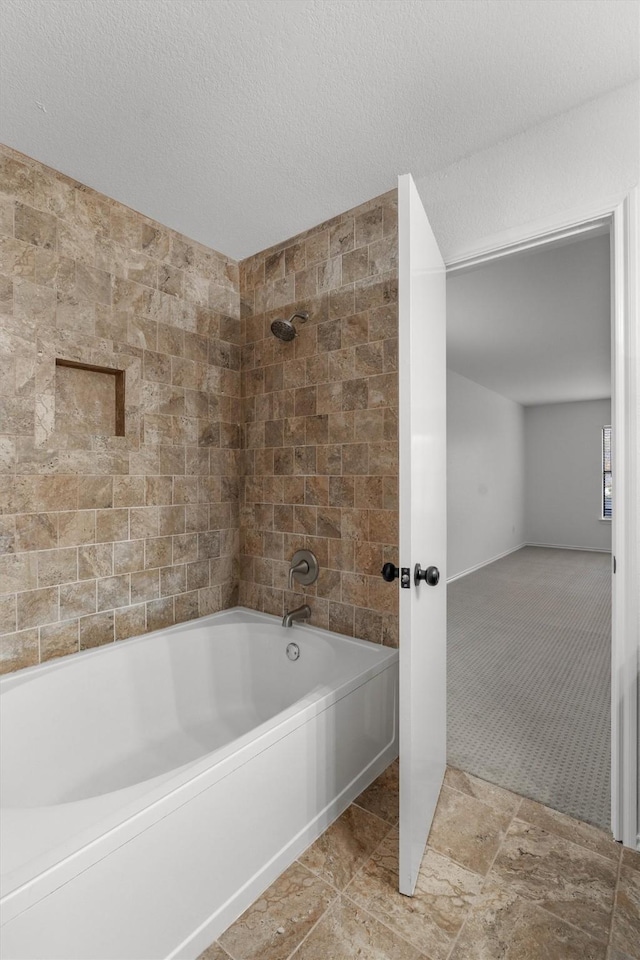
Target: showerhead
(284,329)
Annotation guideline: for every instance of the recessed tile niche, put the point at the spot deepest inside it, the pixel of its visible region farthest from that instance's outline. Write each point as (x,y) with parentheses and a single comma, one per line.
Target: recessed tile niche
(89,399)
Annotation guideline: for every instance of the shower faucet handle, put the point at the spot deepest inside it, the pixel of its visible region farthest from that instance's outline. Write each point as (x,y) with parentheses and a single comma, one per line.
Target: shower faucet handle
(304,568)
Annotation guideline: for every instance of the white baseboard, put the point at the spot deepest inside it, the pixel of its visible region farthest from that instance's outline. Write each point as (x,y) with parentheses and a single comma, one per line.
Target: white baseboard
(499,556)
(550,546)
(566,546)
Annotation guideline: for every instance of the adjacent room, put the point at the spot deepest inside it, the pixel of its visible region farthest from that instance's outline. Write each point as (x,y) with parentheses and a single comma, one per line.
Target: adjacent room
(529,524)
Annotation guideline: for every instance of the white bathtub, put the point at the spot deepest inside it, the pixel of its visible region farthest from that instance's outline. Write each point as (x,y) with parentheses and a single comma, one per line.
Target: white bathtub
(152,789)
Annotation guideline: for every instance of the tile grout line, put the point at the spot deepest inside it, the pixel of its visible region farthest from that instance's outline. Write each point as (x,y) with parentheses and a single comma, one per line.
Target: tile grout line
(531,823)
(484,881)
(339,893)
(324,879)
(615,897)
(559,836)
(291,955)
(507,886)
(391,930)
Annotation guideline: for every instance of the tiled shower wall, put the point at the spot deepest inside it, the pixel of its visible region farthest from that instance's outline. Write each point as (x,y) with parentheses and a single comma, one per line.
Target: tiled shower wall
(320,445)
(104,537)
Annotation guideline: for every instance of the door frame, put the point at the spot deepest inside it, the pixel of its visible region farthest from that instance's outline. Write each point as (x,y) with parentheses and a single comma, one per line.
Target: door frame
(622,217)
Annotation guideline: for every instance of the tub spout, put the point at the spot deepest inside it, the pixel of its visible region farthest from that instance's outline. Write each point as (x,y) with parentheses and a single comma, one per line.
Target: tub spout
(300,613)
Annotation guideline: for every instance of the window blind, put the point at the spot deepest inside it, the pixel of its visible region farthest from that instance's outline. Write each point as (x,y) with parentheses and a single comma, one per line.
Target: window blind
(606,473)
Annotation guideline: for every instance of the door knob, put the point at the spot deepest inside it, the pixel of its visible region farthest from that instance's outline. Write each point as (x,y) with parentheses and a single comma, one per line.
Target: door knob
(431,575)
(390,572)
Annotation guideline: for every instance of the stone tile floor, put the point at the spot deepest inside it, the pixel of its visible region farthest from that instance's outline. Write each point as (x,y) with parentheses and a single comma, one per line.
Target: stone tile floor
(502,877)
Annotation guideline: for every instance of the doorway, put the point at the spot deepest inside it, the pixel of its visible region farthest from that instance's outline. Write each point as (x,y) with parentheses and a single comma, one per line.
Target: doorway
(622,220)
(529,632)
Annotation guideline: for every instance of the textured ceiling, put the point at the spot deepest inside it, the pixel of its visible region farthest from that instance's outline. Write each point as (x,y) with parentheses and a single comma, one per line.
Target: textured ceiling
(242,122)
(535,327)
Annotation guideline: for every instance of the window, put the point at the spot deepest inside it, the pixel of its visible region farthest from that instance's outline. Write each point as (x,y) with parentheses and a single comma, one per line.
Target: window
(606,474)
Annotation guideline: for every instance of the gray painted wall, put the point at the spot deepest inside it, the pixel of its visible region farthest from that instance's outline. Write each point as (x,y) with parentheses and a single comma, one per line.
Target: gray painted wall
(485,474)
(562,458)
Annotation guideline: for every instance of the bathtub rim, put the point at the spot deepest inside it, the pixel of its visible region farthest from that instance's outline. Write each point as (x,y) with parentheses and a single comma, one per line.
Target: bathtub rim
(40,876)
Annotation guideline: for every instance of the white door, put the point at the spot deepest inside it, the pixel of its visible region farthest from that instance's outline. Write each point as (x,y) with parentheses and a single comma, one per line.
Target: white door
(423,527)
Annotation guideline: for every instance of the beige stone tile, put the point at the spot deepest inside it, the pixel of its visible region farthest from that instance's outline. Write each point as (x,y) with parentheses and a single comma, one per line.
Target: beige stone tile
(280,919)
(570,829)
(625,935)
(6,296)
(157,552)
(76,527)
(130,622)
(369,226)
(35,226)
(382,797)
(6,217)
(390,630)
(355,265)
(214,952)
(55,271)
(467,830)
(210,601)
(566,879)
(631,858)
(96,630)
(383,256)
(341,618)
(36,607)
(95,492)
(502,924)
(18,650)
(341,237)
(145,585)
(431,918)
(17,416)
(74,315)
(160,613)
(158,490)
(172,521)
(36,531)
(347,932)
(59,639)
(344,847)
(16,177)
(8,613)
(128,556)
(113,592)
(57,566)
(95,560)
(173,579)
(186,606)
(33,303)
(143,522)
(77,599)
(368,626)
(497,797)
(112,525)
(17,259)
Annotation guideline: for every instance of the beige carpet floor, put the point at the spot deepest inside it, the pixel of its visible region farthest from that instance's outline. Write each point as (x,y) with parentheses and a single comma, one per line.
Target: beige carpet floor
(529,640)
